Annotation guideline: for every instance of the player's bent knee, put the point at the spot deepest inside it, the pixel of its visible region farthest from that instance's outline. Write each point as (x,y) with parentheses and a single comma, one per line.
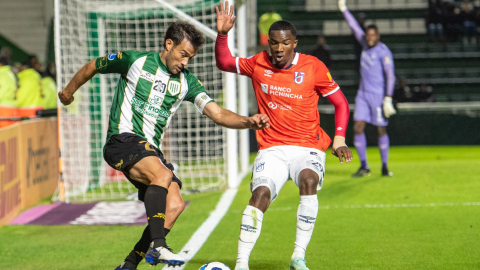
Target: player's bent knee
(263,187)
(163,178)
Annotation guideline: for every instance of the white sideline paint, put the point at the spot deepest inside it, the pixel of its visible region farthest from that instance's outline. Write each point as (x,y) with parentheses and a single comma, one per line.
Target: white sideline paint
(203,232)
(397,205)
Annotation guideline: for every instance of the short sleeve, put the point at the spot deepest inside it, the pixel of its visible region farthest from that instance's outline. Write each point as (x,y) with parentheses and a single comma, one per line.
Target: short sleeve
(118,62)
(246,66)
(196,92)
(324,83)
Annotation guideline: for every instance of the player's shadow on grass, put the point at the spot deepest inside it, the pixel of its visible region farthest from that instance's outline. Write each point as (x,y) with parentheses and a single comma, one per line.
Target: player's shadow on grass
(347,185)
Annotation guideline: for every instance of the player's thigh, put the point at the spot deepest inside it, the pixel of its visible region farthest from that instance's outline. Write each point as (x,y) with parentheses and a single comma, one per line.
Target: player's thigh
(362,109)
(312,159)
(269,171)
(150,170)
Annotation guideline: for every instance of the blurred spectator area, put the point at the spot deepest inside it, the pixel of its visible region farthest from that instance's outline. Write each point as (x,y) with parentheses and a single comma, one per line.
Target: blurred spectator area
(450,68)
(25,27)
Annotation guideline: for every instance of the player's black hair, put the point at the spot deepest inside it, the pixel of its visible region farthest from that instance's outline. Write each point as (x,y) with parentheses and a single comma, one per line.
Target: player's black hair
(3,60)
(283,25)
(372,26)
(177,31)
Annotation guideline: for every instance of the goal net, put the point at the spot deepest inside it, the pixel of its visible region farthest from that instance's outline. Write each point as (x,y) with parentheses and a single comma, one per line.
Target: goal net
(88,29)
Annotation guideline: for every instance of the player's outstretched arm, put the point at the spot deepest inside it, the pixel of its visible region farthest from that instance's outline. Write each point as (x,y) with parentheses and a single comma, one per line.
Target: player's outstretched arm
(82,76)
(351,21)
(225,18)
(228,119)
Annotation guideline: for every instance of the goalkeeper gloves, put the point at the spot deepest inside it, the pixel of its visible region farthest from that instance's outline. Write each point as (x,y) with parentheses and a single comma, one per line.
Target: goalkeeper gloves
(388,109)
(342,5)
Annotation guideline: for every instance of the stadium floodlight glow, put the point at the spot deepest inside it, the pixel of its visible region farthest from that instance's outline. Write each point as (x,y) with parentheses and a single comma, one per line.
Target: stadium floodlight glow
(89,29)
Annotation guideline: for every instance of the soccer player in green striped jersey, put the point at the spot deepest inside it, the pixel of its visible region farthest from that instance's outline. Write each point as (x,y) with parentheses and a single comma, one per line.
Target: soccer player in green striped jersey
(150,89)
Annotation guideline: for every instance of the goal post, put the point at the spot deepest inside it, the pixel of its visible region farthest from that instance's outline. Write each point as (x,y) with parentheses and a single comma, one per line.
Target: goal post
(207,155)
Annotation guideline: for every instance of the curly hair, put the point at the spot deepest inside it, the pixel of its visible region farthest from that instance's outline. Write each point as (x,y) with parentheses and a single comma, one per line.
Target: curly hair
(177,31)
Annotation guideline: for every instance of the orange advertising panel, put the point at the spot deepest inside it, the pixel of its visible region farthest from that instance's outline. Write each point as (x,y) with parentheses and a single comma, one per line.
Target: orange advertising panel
(10,183)
(38,160)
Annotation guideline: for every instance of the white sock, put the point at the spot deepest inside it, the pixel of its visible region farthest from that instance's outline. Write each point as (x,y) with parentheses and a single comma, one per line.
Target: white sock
(306,217)
(249,233)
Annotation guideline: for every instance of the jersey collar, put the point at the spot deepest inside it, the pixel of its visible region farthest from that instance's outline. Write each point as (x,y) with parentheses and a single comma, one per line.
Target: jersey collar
(294,62)
(162,66)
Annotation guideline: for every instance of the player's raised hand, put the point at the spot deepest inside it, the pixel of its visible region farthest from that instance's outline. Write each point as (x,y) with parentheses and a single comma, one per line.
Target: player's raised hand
(388,109)
(65,97)
(341,150)
(225,18)
(259,121)
(342,5)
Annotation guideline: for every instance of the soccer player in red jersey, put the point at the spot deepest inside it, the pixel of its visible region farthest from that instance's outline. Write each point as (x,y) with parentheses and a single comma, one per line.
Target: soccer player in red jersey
(287,87)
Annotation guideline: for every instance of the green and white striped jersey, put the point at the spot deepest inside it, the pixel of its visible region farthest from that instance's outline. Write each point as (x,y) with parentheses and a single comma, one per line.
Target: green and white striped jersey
(147,94)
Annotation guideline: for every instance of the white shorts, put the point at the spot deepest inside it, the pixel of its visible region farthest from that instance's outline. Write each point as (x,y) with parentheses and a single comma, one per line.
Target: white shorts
(275,165)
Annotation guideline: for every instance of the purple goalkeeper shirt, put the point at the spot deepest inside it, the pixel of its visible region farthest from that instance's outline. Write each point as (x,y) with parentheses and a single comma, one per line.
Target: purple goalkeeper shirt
(377,72)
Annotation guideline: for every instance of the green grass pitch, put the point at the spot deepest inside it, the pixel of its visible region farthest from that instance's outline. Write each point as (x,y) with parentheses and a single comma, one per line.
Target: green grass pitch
(427,216)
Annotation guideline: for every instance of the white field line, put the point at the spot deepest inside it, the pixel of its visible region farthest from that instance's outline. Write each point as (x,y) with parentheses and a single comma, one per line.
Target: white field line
(203,232)
(367,206)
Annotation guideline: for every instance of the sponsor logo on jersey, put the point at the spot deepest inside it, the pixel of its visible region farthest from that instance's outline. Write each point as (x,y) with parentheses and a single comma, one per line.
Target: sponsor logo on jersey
(174,87)
(268,73)
(272,105)
(159,86)
(147,76)
(285,107)
(307,219)
(264,88)
(313,153)
(259,167)
(387,60)
(150,108)
(299,77)
(283,92)
(155,100)
(112,56)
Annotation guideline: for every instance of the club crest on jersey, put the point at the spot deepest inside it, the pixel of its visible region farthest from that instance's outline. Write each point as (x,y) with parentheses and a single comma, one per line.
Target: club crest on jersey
(299,77)
(264,88)
(174,87)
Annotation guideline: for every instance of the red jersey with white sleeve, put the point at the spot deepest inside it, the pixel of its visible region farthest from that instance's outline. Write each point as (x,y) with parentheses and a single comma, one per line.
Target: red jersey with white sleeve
(289,96)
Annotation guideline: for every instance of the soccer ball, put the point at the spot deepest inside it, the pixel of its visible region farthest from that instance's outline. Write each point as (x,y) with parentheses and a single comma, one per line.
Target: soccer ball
(214,266)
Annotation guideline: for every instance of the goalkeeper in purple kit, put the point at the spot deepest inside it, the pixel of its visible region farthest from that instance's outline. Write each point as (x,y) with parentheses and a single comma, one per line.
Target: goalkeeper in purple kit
(373,103)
